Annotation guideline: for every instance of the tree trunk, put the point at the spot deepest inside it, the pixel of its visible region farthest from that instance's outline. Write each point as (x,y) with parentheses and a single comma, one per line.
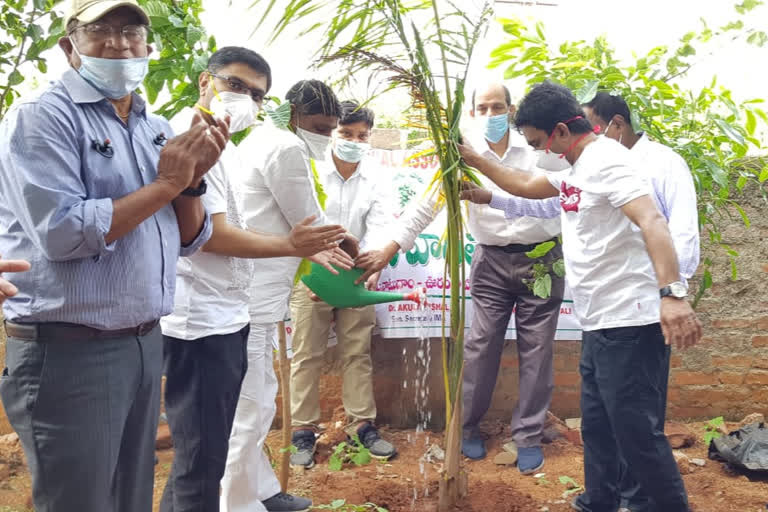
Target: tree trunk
(285,383)
(453,484)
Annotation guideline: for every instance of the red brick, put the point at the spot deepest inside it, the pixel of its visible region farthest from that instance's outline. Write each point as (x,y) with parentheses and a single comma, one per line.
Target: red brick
(684,378)
(509,362)
(762,323)
(690,412)
(730,378)
(732,362)
(676,361)
(759,341)
(569,379)
(757,377)
(760,363)
(729,323)
(765,267)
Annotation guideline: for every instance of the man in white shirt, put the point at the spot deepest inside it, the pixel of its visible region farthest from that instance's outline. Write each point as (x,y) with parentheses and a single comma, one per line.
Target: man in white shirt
(277,193)
(355,198)
(499,274)
(7,289)
(628,317)
(675,196)
(205,336)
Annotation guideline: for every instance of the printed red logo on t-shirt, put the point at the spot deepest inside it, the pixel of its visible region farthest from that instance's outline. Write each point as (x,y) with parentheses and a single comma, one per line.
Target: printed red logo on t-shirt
(570,197)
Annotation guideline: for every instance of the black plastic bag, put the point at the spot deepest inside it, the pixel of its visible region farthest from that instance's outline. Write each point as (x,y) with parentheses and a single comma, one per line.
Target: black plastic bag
(745,448)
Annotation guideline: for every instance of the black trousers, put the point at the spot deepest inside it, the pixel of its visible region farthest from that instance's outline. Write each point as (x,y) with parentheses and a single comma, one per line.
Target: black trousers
(203,379)
(623,373)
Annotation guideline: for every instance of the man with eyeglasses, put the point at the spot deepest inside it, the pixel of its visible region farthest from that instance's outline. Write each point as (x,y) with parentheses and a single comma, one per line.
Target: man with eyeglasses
(205,338)
(101,198)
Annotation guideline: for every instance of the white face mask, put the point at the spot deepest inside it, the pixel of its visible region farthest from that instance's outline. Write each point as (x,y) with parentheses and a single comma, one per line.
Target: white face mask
(550,161)
(114,78)
(316,144)
(241,109)
(349,151)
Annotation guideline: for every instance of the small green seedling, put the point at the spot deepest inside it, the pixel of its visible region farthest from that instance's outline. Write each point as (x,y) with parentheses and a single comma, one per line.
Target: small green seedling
(571,484)
(342,506)
(353,452)
(712,429)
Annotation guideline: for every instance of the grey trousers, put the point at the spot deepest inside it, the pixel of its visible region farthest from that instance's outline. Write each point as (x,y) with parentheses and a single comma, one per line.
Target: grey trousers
(497,281)
(86,413)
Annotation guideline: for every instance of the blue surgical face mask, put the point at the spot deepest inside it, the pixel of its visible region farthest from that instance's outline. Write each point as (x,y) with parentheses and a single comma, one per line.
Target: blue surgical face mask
(114,78)
(349,151)
(496,127)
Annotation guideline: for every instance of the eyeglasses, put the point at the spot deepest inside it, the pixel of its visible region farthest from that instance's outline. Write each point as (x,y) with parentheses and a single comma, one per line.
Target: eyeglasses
(237,86)
(103,31)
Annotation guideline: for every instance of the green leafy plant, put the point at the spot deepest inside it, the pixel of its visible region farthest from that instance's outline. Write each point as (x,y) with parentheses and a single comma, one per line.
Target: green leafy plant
(572,486)
(27,29)
(707,127)
(342,506)
(182,48)
(349,452)
(540,282)
(712,429)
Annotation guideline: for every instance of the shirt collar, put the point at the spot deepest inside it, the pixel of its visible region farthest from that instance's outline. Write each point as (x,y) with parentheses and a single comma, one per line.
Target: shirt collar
(83,92)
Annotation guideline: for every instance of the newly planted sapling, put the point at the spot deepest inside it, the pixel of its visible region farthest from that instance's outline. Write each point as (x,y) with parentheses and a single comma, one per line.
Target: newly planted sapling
(342,506)
(713,429)
(346,452)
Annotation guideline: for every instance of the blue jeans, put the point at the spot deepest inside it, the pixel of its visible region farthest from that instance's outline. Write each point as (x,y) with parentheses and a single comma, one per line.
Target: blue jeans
(623,373)
(203,379)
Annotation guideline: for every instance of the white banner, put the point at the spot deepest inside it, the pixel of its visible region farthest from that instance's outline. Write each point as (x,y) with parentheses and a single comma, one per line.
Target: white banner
(423,266)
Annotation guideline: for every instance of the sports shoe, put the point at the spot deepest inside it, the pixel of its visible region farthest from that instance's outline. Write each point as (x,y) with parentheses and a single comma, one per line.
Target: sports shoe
(530,459)
(304,441)
(282,502)
(473,448)
(378,447)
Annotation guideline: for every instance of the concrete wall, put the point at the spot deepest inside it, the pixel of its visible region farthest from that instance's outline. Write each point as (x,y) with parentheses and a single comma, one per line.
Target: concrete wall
(727,374)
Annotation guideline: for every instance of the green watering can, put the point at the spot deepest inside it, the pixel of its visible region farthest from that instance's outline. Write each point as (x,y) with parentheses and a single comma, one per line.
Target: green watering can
(340,291)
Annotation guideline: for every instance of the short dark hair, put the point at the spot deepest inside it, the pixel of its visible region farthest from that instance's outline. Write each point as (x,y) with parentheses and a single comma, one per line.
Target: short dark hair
(507,96)
(352,112)
(311,97)
(227,55)
(548,104)
(606,105)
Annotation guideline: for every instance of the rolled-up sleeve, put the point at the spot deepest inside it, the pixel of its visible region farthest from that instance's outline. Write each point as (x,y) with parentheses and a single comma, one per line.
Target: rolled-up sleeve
(201,239)
(40,178)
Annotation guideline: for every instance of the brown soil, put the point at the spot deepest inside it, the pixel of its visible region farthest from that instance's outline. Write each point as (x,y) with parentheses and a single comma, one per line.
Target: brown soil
(407,485)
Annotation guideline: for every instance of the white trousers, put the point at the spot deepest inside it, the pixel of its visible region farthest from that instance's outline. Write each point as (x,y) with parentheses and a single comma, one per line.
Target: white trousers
(249,478)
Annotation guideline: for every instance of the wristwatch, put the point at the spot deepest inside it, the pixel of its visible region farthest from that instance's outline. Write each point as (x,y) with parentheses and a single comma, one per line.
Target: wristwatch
(678,290)
(195,192)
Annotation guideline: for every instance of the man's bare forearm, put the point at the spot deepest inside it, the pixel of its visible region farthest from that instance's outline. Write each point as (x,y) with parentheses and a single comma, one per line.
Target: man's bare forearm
(131,210)
(228,240)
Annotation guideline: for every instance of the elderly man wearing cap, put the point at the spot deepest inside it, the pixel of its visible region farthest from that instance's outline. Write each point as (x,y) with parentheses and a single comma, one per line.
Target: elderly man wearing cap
(101,199)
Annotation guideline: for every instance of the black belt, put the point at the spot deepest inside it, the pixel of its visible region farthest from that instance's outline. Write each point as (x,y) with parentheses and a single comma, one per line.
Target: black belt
(56,331)
(513,248)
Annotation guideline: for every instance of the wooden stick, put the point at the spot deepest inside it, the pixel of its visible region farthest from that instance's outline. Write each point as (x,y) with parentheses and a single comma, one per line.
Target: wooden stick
(285,383)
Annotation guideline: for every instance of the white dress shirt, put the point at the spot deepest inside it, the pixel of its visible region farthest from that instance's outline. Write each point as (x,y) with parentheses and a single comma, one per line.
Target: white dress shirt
(277,192)
(361,203)
(673,192)
(211,295)
(487,225)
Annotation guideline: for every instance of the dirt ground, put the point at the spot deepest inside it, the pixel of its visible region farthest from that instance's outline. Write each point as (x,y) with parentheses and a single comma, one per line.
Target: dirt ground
(407,484)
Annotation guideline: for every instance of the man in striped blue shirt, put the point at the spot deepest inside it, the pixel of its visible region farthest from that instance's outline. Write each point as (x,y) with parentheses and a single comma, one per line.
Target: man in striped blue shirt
(101,199)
